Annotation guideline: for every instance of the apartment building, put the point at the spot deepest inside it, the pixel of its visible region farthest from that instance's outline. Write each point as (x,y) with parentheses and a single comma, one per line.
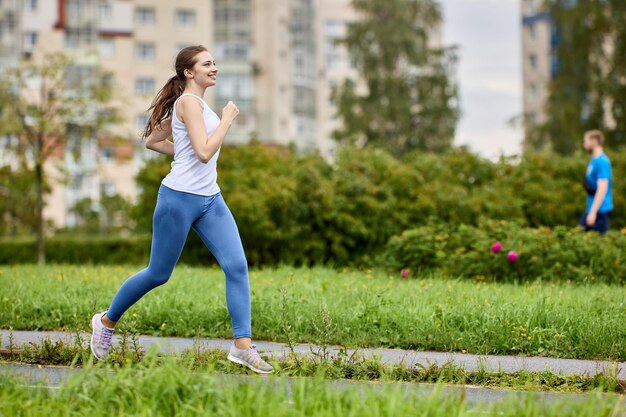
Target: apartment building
(10,32)
(278,61)
(334,64)
(135,42)
(539,64)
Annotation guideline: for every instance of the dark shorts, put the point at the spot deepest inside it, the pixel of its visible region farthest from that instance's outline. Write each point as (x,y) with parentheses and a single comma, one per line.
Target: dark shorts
(601,226)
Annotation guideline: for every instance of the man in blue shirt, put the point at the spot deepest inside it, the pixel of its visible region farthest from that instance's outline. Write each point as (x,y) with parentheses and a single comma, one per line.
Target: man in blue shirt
(598,184)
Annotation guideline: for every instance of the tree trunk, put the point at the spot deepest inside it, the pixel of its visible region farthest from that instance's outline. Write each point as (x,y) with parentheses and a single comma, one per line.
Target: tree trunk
(41,250)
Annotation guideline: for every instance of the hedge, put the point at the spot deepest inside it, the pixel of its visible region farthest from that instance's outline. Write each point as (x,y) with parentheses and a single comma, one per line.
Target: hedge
(97,250)
(302,210)
(558,254)
(299,209)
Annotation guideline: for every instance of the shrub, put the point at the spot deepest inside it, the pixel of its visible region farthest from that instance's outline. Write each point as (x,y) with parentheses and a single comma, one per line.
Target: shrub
(464,251)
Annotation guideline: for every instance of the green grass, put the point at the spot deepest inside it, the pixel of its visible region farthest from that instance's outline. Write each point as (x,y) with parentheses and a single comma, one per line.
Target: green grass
(168,389)
(336,366)
(351,308)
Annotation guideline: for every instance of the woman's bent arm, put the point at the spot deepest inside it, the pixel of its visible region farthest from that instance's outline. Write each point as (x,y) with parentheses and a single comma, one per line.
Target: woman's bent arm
(157,141)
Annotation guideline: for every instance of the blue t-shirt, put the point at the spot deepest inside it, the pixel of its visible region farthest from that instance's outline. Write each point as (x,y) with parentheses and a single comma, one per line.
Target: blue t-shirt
(599,168)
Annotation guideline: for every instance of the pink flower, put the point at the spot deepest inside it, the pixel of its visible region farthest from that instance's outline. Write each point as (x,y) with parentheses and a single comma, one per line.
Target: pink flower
(512,256)
(496,247)
(405,273)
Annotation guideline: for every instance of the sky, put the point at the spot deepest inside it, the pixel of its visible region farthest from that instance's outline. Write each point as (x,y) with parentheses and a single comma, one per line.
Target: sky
(489,74)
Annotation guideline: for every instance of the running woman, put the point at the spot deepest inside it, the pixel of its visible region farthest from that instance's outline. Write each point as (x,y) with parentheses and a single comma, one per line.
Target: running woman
(189,197)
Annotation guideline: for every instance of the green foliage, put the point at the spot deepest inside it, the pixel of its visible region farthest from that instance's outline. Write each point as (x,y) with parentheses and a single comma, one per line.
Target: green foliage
(78,249)
(296,209)
(279,200)
(44,104)
(405,98)
(18,198)
(300,210)
(148,180)
(554,255)
(109,216)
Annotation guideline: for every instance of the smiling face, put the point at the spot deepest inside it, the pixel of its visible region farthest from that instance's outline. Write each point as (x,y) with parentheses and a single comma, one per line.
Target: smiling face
(204,71)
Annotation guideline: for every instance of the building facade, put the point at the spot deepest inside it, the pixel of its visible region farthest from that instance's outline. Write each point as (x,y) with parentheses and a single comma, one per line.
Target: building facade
(278,60)
(539,64)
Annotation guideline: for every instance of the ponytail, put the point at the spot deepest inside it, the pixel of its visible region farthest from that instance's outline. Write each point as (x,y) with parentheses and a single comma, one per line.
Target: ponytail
(161,107)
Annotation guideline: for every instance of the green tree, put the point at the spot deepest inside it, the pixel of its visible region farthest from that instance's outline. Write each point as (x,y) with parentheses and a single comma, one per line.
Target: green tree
(111,213)
(40,103)
(611,78)
(587,90)
(17,201)
(405,97)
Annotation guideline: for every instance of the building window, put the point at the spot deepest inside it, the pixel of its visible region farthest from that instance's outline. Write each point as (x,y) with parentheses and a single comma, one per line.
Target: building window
(75,38)
(107,188)
(332,61)
(333,30)
(145,51)
(108,80)
(72,39)
(532,31)
(299,61)
(75,9)
(229,51)
(185,18)
(106,48)
(144,85)
(180,46)
(232,86)
(304,101)
(533,61)
(145,16)
(107,154)
(77,182)
(242,120)
(30,41)
(30,5)
(533,90)
(105,12)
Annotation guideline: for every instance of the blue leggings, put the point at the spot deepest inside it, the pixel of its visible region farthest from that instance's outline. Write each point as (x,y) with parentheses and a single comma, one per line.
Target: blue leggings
(175,213)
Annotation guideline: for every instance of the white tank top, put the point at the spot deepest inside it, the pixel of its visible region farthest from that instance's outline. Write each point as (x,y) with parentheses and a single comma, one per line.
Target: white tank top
(188,173)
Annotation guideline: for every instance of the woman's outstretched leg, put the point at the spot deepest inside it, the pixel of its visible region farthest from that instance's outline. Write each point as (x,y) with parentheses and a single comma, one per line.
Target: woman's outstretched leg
(173,216)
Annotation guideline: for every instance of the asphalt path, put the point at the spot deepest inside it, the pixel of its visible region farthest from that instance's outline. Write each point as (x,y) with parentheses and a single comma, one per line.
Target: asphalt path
(53,378)
(408,358)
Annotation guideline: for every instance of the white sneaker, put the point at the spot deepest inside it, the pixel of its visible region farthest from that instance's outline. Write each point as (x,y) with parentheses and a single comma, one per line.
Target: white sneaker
(250,358)
(100,337)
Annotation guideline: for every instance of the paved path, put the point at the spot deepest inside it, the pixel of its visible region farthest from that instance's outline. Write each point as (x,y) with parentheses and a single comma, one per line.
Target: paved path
(53,377)
(409,358)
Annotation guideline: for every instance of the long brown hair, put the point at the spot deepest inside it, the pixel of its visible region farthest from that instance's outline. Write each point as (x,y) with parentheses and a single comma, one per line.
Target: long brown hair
(161,107)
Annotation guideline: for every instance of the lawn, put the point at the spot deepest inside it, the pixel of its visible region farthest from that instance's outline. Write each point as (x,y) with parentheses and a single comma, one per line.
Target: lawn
(350,308)
(170,389)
